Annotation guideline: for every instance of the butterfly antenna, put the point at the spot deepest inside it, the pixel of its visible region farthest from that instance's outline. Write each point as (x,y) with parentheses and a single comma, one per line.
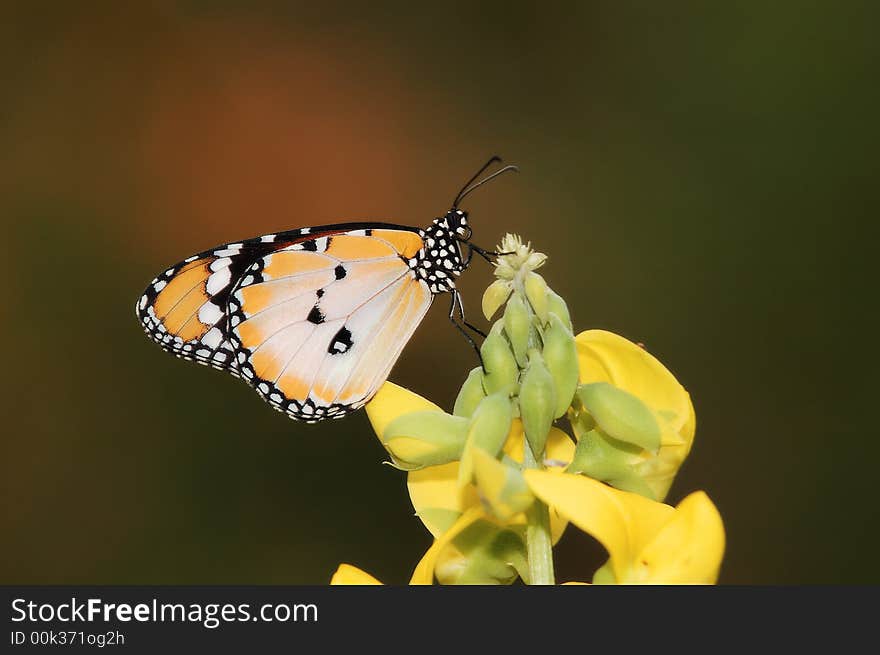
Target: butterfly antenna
(492,160)
(465,192)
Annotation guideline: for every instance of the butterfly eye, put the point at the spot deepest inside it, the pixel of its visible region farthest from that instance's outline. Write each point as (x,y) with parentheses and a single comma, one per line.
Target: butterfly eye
(456,222)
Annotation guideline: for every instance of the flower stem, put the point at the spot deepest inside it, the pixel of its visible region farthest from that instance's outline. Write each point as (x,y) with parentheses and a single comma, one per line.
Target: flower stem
(539,547)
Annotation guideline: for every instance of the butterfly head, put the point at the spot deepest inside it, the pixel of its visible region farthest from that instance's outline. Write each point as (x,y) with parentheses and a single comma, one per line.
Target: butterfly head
(455,222)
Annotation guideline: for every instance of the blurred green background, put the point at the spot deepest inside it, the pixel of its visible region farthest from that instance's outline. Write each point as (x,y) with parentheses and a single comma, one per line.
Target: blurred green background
(701,175)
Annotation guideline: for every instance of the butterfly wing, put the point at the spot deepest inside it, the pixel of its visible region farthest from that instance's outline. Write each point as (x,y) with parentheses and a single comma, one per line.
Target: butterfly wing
(184,309)
(318,325)
(313,319)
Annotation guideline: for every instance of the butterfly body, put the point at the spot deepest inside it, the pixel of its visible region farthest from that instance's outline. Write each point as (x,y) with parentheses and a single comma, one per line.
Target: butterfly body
(314,318)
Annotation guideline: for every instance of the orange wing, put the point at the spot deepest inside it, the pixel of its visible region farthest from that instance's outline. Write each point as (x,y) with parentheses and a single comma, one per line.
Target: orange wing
(318,325)
(184,309)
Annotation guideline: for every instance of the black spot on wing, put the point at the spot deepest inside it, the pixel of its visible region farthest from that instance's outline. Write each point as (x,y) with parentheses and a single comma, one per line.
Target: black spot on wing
(341,342)
(315,316)
(340,272)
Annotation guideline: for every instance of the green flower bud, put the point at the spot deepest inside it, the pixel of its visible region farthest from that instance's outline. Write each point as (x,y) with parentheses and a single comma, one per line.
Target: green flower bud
(501,371)
(470,395)
(536,292)
(487,431)
(427,438)
(537,403)
(560,354)
(495,296)
(609,460)
(621,415)
(490,424)
(517,323)
(557,305)
(482,554)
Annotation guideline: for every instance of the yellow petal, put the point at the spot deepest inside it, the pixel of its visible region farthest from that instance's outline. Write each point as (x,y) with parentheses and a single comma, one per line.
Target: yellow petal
(436,496)
(515,441)
(424,571)
(559,449)
(606,357)
(347,574)
(501,487)
(392,401)
(688,549)
(624,523)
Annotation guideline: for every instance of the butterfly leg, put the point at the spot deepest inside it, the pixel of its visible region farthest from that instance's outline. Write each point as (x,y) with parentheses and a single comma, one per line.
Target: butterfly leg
(456,303)
(488,255)
(457,300)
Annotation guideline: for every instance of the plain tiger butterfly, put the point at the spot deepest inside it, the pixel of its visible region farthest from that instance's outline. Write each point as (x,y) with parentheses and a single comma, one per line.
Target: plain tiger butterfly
(314,318)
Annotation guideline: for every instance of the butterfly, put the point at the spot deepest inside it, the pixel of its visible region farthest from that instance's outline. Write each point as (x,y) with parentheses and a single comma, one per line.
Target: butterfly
(313,318)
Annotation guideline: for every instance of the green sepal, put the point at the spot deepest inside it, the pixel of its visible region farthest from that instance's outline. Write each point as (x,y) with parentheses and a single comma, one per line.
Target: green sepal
(489,555)
(537,403)
(621,415)
(470,395)
(609,460)
(425,438)
(560,354)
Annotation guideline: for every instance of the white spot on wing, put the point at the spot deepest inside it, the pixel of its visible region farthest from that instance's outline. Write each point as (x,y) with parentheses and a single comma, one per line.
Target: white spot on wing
(218,280)
(213,337)
(217,264)
(209,313)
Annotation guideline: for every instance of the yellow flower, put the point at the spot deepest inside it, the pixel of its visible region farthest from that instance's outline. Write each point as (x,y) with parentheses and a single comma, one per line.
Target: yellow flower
(465,517)
(423,574)
(347,574)
(605,357)
(647,542)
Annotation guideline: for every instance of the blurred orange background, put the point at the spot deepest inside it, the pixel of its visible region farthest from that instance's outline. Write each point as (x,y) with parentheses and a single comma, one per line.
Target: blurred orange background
(700,175)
